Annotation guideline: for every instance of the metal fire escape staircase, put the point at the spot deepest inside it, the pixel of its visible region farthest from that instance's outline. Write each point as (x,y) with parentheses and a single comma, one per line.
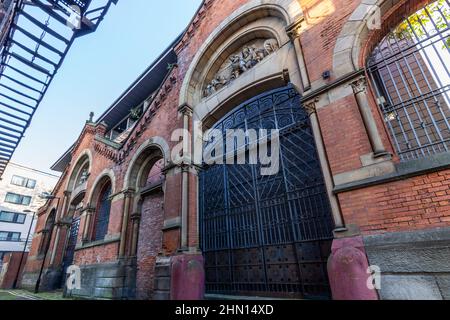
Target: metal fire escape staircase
(39,37)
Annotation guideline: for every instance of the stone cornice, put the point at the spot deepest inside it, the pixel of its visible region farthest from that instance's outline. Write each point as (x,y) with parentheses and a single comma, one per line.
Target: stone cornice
(193,26)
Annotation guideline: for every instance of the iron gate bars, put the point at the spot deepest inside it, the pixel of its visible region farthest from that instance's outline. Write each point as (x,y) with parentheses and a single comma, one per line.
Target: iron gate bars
(37,38)
(410,70)
(267,235)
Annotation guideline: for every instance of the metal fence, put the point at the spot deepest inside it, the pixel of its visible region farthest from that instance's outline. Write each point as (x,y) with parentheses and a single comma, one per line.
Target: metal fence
(410,72)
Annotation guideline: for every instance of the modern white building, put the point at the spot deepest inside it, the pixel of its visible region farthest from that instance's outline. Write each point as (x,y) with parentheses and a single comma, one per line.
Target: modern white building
(20,191)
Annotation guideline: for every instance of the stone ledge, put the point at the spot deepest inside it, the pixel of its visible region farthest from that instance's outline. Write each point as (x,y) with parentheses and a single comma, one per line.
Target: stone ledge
(403,170)
(417,252)
(171,224)
(408,238)
(112,239)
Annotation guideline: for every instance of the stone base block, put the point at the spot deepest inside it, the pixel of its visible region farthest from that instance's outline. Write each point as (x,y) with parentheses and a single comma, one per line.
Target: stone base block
(187,277)
(348,271)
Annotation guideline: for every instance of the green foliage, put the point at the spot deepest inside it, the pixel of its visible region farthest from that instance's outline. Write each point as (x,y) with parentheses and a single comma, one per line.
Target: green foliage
(421,23)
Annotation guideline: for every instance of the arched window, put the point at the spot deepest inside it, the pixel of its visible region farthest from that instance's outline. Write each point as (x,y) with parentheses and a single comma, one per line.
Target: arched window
(103,210)
(47,232)
(83,175)
(410,70)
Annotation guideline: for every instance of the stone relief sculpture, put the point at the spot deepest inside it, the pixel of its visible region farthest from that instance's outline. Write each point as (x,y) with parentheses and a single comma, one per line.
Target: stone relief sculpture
(246,58)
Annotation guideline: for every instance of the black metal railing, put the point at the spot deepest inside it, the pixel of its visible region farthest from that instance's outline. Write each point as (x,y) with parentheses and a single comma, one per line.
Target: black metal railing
(36,42)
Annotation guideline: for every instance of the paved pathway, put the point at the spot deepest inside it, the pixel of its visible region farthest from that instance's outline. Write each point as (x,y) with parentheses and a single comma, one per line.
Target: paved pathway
(25,295)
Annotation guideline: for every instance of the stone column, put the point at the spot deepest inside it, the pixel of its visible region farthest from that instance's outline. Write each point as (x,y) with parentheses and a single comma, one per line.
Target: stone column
(136,220)
(128,194)
(62,211)
(310,107)
(87,224)
(293,32)
(65,204)
(186,112)
(360,89)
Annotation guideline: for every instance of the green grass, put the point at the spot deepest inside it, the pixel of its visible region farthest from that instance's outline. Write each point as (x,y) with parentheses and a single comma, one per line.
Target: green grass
(56,295)
(5,296)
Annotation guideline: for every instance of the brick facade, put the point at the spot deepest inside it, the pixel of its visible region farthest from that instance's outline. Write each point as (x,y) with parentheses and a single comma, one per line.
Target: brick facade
(373,195)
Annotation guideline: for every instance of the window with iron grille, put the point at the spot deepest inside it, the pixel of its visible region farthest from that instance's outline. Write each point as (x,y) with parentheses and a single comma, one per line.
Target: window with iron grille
(100,229)
(15,198)
(410,71)
(12,217)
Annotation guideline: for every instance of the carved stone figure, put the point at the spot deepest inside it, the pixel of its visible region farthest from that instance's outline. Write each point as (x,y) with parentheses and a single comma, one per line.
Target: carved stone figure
(215,84)
(271,45)
(249,56)
(238,66)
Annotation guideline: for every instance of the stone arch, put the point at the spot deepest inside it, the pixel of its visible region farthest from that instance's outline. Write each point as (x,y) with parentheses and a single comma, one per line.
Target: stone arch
(104,177)
(241,23)
(84,158)
(153,148)
(353,44)
(46,232)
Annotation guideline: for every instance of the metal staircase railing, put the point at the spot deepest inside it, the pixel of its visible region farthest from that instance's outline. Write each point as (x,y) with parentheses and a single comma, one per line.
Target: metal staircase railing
(37,39)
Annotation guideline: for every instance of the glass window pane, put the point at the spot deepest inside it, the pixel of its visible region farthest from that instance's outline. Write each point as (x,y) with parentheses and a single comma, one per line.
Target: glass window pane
(7,216)
(18,181)
(31,184)
(21,218)
(15,236)
(3,236)
(13,198)
(26,201)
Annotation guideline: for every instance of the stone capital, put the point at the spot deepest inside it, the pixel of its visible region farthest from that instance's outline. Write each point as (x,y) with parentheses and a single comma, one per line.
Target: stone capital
(88,211)
(359,85)
(136,217)
(67,193)
(129,193)
(311,106)
(294,30)
(185,110)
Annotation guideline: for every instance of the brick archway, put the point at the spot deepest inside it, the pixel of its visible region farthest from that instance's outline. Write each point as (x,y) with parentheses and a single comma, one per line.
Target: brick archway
(358,36)
(287,11)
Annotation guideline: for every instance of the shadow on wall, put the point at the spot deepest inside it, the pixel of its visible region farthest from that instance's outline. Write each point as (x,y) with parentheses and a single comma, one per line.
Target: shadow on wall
(315,11)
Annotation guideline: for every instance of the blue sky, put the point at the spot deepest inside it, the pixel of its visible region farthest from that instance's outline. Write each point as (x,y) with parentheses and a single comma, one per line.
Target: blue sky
(98,68)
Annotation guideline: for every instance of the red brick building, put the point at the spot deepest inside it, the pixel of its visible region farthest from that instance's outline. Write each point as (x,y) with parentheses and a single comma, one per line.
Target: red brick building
(358,90)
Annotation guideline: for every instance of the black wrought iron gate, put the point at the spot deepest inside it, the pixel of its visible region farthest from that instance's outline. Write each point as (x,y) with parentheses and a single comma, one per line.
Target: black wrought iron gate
(268,235)
(70,248)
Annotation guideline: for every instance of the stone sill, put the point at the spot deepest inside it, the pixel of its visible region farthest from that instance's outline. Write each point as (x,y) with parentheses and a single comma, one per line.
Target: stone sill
(404,170)
(108,142)
(112,239)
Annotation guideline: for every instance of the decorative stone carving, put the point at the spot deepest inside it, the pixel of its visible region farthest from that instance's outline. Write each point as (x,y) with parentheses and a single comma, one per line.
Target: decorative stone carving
(359,85)
(310,106)
(241,61)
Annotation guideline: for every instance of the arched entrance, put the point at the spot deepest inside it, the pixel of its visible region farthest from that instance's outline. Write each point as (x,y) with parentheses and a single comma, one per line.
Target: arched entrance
(268,235)
(145,177)
(151,208)
(72,215)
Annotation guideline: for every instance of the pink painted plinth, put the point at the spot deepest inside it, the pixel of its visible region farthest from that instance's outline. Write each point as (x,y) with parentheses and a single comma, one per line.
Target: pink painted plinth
(348,270)
(188,278)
